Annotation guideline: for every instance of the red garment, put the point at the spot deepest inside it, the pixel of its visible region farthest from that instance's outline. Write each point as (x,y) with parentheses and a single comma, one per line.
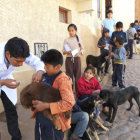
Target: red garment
(85,87)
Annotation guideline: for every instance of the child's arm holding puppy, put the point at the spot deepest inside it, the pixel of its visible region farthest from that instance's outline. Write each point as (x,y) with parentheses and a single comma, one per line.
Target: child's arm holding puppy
(68,100)
(65,104)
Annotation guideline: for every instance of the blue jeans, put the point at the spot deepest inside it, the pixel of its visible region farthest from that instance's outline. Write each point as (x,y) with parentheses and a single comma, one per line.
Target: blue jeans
(118,75)
(45,130)
(130,43)
(130,46)
(81,120)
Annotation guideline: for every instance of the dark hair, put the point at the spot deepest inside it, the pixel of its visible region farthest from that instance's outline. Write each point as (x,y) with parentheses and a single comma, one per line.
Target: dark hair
(120,40)
(53,57)
(109,11)
(132,24)
(75,27)
(136,21)
(90,68)
(17,47)
(109,7)
(72,25)
(119,24)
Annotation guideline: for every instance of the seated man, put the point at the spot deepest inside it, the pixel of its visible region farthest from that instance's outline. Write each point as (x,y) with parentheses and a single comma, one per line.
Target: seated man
(80,119)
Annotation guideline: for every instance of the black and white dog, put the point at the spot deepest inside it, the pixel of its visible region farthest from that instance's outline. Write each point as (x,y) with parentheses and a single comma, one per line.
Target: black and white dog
(88,105)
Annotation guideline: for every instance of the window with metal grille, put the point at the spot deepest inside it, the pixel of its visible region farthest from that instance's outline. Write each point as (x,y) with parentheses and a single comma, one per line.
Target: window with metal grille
(40,48)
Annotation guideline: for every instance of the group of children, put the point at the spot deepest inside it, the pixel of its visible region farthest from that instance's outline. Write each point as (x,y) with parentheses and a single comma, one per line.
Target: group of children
(84,86)
(53,76)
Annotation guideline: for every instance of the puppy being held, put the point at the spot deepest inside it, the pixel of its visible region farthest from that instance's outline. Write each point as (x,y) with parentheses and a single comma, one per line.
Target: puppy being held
(35,93)
(115,98)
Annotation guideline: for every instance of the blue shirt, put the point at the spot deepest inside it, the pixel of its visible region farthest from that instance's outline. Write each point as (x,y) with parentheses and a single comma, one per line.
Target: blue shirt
(120,56)
(114,36)
(136,27)
(109,24)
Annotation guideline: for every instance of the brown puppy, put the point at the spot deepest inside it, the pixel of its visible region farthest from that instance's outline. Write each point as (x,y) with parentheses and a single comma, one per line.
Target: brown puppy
(44,93)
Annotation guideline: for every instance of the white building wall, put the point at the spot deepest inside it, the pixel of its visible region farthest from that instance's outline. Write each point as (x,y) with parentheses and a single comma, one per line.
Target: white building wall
(124,10)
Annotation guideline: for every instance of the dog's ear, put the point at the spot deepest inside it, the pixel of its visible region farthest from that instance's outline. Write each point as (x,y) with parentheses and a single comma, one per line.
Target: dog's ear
(105,53)
(92,99)
(105,94)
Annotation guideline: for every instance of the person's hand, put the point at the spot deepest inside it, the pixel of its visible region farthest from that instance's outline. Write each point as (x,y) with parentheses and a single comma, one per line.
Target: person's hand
(69,52)
(37,77)
(40,106)
(111,54)
(96,92)
(78,54)
(10,83)
(106,57)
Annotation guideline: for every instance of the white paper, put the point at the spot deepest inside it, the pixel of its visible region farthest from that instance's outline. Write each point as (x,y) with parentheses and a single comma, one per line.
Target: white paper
(74,52)
(107,47)
(67,48)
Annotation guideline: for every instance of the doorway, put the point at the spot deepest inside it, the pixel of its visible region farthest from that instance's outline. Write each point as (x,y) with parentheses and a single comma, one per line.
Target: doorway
(108,4)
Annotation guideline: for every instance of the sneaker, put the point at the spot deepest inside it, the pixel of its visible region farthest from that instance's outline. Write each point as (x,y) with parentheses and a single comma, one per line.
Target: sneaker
(74,137)
(122,87)
(130,58)
(114,87)
(106,73)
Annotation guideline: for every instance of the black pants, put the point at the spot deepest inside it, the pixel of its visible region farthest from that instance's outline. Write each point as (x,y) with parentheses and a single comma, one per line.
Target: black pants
(118,75)
(11,116)
(107,63)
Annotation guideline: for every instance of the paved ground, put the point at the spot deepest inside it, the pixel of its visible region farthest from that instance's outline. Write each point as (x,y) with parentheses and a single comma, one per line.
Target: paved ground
(127,123)
(126,126)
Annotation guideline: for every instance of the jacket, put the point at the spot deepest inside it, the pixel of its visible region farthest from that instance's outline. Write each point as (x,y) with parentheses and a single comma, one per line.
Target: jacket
(85,87)
(63,84)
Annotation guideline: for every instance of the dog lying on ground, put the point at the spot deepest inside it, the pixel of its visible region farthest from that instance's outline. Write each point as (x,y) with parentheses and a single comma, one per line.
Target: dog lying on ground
(88,105)
(97,61)
(44,93)
(115,98)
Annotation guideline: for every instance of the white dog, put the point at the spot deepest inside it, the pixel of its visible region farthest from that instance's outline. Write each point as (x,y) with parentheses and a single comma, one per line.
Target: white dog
(136,48)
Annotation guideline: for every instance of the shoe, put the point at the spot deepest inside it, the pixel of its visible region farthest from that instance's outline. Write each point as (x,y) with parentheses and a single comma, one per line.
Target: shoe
(130,58)
(106,73)
(114,87)
(74,137)
(122,87)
